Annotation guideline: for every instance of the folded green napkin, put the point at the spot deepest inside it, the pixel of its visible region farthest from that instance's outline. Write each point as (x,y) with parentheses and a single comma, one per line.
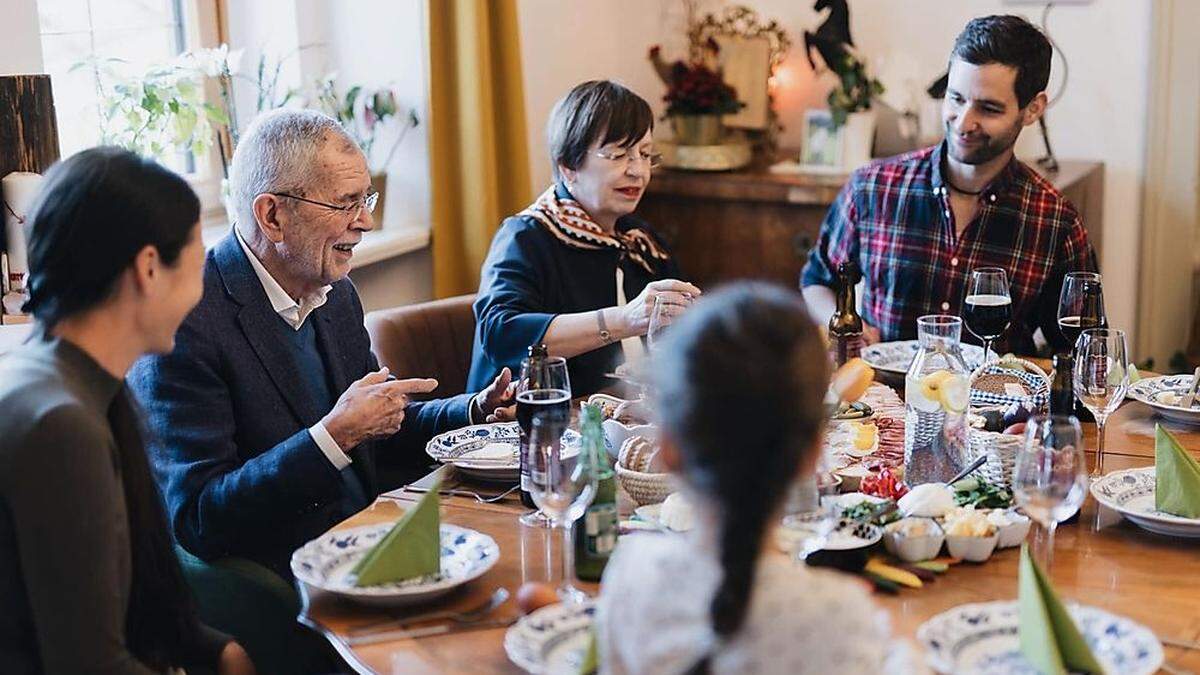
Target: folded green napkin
(591,658)
(412,548)
(1135,375)
(1176,476)
(1049,638)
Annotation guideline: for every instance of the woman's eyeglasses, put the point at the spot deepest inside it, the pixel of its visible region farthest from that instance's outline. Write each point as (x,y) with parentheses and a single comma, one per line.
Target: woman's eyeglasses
(626,157)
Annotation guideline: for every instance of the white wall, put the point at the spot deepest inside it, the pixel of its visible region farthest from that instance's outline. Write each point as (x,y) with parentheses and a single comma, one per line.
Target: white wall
(1101,115)
(20,43)
(368,42)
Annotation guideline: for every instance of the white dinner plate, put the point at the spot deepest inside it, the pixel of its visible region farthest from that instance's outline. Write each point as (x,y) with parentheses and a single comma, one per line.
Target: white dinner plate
(895,357)
(552,640)
(982,639)
(326,561)
(1130,492)
(1162,393)
(492,444)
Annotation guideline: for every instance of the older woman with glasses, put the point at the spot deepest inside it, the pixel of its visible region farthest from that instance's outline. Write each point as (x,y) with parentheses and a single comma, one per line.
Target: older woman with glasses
(576,270)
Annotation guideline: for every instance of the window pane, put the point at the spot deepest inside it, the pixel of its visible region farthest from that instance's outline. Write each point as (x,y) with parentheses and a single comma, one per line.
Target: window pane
(140,32)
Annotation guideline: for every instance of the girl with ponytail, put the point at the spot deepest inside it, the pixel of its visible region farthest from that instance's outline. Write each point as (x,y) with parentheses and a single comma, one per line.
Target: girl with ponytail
(738,394)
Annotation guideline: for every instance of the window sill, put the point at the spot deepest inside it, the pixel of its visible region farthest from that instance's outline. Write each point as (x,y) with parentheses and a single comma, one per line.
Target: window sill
(375,246)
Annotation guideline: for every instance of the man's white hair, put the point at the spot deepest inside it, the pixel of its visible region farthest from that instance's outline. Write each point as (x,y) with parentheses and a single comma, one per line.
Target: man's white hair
(277,153)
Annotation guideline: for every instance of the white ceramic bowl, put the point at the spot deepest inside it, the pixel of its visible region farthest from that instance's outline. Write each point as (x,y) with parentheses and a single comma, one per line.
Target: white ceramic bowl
(915,549)
(971,549)
(1015,532)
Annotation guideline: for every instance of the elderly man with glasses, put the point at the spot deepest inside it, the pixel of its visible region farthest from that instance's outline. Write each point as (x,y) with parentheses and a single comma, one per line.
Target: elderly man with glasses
(269,415)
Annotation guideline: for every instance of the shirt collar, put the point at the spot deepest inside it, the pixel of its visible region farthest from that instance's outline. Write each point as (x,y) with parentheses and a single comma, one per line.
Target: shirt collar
(288,309)
(991,191)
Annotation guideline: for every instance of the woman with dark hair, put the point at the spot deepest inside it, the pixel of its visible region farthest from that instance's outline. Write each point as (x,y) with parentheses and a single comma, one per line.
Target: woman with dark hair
(738,393)
(576,270)
(89,581)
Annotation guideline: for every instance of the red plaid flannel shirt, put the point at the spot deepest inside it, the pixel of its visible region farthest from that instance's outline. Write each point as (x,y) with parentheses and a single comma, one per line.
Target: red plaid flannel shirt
(893,217)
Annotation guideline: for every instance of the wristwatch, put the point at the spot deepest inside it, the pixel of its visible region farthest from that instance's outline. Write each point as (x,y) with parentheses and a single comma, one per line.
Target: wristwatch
(605,336)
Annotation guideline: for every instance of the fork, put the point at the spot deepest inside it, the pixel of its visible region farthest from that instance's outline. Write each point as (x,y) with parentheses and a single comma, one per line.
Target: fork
(482,499)
(1191,392)
(469,615)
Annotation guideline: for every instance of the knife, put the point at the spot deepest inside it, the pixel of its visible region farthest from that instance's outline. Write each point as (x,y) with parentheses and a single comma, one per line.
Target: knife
(428,631)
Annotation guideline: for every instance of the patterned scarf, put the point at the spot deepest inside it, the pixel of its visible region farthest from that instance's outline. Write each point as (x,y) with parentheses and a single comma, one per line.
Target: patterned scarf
(570,223)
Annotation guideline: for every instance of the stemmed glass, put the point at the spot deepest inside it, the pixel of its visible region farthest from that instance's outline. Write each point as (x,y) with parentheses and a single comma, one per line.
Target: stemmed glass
(1101,379)
(544,388)
(1080,304)
(1050,477)
(988,305)
(659,320)
(562,488)
(810,518)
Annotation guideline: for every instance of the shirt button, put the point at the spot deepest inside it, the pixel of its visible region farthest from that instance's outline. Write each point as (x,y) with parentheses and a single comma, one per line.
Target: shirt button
(954,262)
(992,198)
(945,306)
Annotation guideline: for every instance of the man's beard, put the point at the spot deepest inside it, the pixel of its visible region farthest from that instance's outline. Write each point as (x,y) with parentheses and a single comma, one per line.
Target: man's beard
(991,147)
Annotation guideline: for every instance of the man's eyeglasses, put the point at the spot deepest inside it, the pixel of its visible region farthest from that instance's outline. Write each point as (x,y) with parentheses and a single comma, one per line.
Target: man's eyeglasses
(367,202)
(626,157)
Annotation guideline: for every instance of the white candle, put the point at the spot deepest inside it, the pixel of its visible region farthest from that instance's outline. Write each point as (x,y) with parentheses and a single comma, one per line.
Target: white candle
(19,189)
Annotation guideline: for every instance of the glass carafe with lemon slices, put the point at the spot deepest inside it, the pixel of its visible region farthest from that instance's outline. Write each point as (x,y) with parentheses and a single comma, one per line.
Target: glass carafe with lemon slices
(936,398)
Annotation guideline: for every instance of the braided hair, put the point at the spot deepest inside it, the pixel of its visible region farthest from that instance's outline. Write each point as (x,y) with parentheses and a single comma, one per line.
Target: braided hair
(739,385)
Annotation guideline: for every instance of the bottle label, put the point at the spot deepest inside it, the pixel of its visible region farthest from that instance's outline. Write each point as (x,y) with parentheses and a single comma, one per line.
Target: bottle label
(846,347)
(600,528)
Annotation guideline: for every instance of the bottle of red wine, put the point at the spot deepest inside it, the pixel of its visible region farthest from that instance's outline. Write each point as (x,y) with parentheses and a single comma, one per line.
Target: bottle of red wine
(532,372)
(846,326)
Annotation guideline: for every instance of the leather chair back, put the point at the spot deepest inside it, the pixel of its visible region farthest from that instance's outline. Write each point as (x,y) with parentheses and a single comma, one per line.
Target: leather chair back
(428,339)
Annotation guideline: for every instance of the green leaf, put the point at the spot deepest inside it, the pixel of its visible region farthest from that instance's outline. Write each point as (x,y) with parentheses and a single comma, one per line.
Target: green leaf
(216,114)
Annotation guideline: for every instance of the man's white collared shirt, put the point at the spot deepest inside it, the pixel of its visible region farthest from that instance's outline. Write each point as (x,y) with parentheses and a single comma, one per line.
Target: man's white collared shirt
(294,313)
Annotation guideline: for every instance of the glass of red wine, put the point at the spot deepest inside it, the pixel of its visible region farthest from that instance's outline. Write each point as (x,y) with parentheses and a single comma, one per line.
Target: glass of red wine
(544,389)
(988,310)
(1080,305)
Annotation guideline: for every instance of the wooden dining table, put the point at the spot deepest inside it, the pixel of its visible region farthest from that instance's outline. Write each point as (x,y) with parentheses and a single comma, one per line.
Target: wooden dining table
(1099,560)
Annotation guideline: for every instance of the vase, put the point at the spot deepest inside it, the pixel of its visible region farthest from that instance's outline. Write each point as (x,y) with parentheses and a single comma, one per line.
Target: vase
(858,138)
(379,182)
(697,129)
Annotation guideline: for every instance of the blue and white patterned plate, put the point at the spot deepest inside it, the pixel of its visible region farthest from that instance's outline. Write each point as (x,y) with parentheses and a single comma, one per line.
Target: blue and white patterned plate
(1162,394)
(554,639)
(981,638)
(492,444)
(895,357)
(1131,493)
(326,561)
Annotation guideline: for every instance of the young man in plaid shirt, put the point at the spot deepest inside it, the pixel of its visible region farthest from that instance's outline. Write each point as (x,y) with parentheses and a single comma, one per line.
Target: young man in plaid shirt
(918,224)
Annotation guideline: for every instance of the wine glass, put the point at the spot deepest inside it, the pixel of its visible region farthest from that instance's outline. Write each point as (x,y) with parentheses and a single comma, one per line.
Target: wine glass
(809,517)
(544,386)
(562,488)
(1101,379)
(1080,305)
(988,305)
(1050,477)
(660,318)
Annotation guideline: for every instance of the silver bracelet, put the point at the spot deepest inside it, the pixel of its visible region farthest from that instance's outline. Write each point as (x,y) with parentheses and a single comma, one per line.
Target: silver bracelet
(605,336)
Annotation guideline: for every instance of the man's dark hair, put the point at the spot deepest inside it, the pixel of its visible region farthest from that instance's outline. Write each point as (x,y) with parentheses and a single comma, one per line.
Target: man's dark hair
(1011,41)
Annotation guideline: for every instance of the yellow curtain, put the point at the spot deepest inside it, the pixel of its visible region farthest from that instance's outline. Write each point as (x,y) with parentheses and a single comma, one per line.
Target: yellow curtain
(478,158)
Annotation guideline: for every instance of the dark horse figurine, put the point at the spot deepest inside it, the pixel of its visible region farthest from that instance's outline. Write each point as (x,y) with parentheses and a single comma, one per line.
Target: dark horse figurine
(832,36)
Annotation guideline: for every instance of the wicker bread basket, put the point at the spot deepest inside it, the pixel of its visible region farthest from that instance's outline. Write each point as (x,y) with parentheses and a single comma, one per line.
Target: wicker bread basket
(1001,452)
(988,381)
(645,488)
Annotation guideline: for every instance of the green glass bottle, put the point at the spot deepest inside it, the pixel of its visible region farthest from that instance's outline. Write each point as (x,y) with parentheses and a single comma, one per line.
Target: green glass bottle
(596,531)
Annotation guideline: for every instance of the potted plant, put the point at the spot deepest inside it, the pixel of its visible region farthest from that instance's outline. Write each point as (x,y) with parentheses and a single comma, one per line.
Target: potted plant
(697,96)
(365,113)
(850,99)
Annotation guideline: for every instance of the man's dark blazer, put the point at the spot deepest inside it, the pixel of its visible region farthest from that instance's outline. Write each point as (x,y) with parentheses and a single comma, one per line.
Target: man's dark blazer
(228,417)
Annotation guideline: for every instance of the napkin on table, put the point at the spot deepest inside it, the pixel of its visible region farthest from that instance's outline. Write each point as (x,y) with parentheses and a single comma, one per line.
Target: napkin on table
(1176,476)
(1049,637)
(412,548)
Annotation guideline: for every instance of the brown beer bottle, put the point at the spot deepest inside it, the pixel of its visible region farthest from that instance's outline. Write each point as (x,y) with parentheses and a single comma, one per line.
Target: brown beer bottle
(846,326)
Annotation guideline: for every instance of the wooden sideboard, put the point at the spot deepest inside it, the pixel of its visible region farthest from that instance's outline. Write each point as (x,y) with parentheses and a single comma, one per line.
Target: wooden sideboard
(753,224)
